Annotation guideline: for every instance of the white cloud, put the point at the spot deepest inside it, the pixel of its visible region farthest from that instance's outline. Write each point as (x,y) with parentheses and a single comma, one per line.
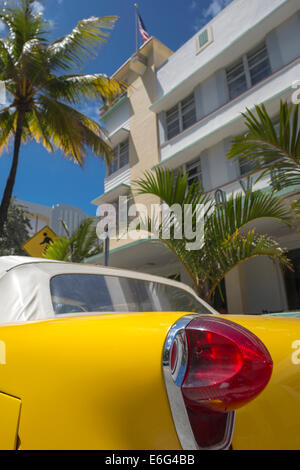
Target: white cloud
(38,8)
(214,8)
(208,13)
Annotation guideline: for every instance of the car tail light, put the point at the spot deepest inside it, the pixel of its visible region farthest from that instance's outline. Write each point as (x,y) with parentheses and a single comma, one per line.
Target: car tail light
(217,367)
(174,355)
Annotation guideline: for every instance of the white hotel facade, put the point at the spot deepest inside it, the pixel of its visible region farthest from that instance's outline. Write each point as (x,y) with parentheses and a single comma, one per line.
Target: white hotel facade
(182,110)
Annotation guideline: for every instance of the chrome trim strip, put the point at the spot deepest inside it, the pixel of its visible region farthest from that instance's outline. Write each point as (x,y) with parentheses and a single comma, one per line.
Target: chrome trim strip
(173,382)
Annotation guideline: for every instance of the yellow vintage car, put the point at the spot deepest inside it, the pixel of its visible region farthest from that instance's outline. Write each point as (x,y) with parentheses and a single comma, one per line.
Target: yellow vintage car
(101,358)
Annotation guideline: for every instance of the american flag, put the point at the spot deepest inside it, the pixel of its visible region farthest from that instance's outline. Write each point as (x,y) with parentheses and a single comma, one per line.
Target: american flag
(142,29)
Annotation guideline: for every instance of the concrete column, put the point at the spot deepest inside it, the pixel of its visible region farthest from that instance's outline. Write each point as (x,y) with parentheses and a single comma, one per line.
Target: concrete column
(198,103)
(236,291)
(275,58)
(222,88)
(265,286)
(161,127)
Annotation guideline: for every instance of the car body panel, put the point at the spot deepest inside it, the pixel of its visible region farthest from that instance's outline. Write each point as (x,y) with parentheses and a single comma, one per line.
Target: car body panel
(10,412)
(66,404)
(271,421)
(92,382)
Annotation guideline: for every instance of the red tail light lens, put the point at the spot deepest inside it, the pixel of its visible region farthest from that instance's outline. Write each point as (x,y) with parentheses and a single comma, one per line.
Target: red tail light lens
(211,366)
(174,356)
(227,365)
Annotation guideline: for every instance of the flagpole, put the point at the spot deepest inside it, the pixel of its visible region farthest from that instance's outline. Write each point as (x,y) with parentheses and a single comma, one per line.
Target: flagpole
(136,27)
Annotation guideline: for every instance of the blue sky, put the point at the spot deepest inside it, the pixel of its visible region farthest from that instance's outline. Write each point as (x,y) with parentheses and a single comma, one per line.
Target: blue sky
(50,179)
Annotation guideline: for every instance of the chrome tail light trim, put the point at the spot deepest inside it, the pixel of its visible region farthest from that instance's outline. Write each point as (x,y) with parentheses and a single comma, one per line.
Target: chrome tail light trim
(173,381)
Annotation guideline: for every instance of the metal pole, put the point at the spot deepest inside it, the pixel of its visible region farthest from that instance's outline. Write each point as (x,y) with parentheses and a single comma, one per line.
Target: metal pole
(136,27)
(106,248)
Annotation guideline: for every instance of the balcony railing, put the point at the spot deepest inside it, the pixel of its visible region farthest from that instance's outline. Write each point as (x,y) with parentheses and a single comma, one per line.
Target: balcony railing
(109,104)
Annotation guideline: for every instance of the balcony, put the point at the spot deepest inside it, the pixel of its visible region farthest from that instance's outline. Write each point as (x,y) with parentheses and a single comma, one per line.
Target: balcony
(112,194)
(227,121)
(111,106)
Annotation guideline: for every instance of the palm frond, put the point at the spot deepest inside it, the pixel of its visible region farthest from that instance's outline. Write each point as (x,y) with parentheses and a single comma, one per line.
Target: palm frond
(7,126)
(31,66)
(38,129)
(22,24)
(276,154)
(85,241)
(7,62)
(73,132)
(240,209)
(171,187)
(82,244)
(59,249)
(76,89)
(237,248)
(82,42)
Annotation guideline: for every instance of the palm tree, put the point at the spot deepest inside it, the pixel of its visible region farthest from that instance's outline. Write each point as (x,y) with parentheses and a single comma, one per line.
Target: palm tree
(228,240)
(75,248)
(276,153)
(42,79)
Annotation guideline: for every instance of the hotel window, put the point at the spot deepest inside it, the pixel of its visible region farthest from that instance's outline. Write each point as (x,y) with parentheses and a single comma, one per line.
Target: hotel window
(248,71)
(194,171)
(247,166)
(120,158)
(259,64)
(236,79)
(181,116)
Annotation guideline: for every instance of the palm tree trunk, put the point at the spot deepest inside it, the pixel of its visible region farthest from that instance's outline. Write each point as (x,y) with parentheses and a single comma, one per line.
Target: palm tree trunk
(202,292)
(12,174)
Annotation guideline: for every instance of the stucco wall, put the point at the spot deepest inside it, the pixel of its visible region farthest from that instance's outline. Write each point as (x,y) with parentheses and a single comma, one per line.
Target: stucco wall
(241,24)
(119,119)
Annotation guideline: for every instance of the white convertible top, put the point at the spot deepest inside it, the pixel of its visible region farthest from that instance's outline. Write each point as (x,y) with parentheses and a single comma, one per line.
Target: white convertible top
(25,285)
(9,262)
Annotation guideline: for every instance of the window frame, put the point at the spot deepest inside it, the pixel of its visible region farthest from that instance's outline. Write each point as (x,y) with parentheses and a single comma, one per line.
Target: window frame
(200,45)
(247,68)
(180,116)
(195,163)
(240,75)
(117,158)
(254,52)
(184,169)
(125,298)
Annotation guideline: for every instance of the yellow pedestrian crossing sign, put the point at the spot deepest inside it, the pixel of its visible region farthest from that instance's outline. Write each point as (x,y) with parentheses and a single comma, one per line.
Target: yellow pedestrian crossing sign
(38,244)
